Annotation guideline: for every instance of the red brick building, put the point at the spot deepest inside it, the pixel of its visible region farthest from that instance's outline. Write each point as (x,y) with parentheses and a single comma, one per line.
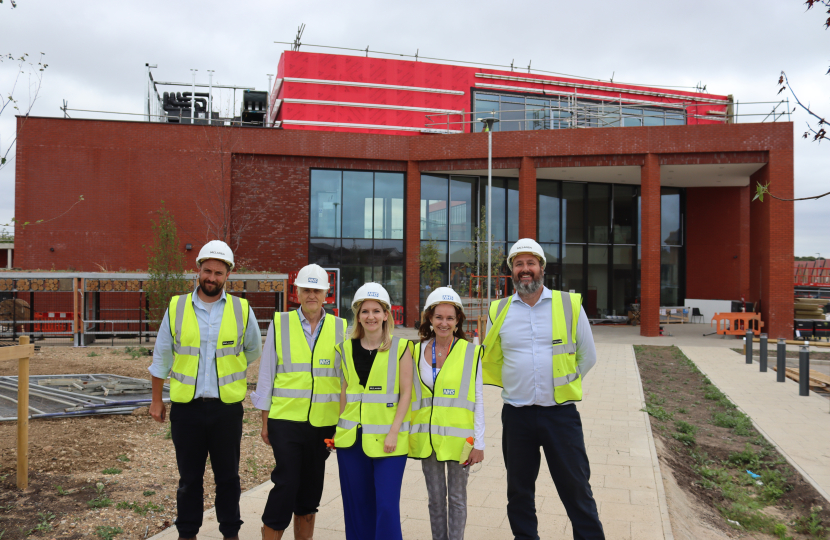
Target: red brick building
(636,194)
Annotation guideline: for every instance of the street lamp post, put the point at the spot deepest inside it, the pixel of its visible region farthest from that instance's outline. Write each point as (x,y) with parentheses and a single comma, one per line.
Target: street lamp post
(488,127)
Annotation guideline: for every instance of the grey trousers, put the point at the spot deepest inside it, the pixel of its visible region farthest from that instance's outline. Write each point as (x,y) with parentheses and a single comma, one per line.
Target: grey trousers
(444,487)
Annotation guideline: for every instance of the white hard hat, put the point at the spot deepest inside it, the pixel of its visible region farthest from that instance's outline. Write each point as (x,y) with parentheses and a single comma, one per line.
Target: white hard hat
(526,245)
(216,249)
(372,291)
(443,295)
(312,277)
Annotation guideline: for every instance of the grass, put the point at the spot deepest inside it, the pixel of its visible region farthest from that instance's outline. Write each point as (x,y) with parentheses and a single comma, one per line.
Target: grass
(123,458)
(43,524)
(101,501)
(107,532)
(138,508)
(111,470)
(93,354)
(811,525)
(136,352)
(149,493)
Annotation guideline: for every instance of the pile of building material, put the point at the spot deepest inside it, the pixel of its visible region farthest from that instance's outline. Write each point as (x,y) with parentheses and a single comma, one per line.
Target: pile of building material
(809,308)
(14,310)
(818,380)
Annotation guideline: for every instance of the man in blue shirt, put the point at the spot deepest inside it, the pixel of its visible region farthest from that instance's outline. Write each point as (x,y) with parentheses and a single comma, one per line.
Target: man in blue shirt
(211,421)
(539,359)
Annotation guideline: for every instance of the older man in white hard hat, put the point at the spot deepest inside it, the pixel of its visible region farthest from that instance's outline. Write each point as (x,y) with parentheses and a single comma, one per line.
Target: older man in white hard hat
(205,343)
(299,394)
(538,348)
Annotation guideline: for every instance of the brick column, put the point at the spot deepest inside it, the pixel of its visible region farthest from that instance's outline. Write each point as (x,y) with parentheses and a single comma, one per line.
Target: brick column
(771,245)
(743,255)
(527,198)
(650,247)
(412,243)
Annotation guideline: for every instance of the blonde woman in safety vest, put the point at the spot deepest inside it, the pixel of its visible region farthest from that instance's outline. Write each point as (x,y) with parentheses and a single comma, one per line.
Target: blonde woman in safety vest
(372,437)
(538,348)
(299,394)
(205,343)
(447,411)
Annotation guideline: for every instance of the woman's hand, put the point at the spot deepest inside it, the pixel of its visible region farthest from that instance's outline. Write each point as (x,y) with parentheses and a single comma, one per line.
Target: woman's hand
(476,456)
(391,441)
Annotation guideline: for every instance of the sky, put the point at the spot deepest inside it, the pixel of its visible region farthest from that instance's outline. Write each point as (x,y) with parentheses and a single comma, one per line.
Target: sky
(96,52)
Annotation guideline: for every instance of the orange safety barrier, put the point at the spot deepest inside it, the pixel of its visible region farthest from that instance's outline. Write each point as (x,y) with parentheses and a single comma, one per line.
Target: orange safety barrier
(397,314)
(53,325)
(736,324)
(812,273)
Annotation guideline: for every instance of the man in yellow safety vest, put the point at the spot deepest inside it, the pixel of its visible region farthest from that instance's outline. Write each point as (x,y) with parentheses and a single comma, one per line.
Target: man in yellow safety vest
(298,392)
(538,348)
(205,343)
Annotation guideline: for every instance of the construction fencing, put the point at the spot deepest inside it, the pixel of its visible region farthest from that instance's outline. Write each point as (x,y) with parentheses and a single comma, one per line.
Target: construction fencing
(107,309)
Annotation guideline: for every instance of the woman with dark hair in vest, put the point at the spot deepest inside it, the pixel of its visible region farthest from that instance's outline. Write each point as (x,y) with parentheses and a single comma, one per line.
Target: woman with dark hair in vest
(372,436)
(447,411)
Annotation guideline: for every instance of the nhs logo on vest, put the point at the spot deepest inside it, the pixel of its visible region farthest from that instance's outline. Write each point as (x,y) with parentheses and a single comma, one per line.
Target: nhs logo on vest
(449,392)
(324,362)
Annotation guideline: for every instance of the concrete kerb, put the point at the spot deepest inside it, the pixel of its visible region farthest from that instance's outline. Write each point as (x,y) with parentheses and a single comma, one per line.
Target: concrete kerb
(668,534)
(769,439)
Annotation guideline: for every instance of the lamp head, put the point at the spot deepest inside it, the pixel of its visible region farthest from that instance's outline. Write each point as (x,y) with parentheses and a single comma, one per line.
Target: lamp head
(488,123)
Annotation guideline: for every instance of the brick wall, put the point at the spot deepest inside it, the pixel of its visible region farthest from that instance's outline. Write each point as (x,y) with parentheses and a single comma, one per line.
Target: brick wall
(650,248)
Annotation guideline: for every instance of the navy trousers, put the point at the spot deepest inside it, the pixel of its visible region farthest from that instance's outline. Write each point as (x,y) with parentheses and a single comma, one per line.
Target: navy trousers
(371,491)
(201,428)
(559,431)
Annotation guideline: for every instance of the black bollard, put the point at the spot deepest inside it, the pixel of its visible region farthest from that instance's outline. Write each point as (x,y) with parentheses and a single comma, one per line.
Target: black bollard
(782,360)
(804,371)
(763,353)
(749,346)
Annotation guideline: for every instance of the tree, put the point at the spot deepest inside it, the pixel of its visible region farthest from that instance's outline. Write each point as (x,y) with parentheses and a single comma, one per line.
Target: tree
(816,122)
(477,253)
(430,261)
(28,69)
(165,265)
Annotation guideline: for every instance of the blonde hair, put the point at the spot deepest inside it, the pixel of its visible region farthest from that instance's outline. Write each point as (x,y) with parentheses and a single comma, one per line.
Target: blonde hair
(386,331)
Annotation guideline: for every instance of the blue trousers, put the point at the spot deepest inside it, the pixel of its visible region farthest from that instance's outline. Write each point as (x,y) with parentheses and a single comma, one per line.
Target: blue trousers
(371,491)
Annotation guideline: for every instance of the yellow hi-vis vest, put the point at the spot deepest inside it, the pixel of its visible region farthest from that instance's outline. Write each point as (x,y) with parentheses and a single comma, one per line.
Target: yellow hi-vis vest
(307,383)
(231,364)
(442,421)
(567,383)
(373,408)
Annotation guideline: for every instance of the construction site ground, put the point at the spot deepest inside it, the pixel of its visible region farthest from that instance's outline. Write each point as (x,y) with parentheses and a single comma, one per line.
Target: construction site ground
(638,494)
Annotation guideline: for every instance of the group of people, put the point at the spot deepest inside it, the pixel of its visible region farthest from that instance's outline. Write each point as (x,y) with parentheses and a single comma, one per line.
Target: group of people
(377,400)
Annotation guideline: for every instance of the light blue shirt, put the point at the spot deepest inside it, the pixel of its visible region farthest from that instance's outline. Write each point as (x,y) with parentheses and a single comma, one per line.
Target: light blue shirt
(526,340)
(207,379)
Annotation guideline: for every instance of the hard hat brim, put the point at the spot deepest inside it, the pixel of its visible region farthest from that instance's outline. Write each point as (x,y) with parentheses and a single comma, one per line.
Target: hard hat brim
(229,263)
(318,286)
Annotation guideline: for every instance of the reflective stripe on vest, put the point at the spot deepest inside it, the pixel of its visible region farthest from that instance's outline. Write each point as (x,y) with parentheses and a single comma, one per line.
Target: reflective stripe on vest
(307,382)
(373,411)
(231,365)
(567,383)
(441,423)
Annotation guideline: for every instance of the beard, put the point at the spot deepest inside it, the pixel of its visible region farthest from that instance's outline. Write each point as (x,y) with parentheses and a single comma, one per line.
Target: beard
(529,288)
(210,289)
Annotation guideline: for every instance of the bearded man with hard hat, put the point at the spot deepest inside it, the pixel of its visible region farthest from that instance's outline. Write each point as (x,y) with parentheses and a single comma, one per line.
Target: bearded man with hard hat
(538,348)
(206,341)
(298,392)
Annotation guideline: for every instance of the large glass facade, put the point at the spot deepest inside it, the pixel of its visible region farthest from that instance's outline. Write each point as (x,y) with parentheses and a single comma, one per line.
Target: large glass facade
(356,225)
(453,228)
(591,234)
(521,113)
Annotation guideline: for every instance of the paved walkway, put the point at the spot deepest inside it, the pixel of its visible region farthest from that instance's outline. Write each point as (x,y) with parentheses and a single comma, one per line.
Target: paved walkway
(625,473)
(798,426)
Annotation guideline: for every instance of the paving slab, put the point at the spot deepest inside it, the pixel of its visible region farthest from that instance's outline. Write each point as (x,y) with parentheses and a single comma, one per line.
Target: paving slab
(799,426)
(625,472)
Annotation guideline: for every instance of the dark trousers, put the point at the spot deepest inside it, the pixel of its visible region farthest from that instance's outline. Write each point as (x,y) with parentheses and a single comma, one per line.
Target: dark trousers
(559,431)
(371,491)
(300,454)
(202,428)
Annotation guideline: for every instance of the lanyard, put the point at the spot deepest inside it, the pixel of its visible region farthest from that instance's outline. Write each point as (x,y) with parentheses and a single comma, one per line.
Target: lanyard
(434,361)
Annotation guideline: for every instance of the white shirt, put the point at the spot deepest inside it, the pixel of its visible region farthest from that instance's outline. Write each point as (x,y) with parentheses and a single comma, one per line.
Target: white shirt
(526,340)
(478,413)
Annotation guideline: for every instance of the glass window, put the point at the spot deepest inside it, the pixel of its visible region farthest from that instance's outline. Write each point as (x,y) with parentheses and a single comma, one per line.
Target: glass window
(512,210)
(351,279)
(624,280)
(462,266)
(325,204)
(462,207)
(572,267)
(512,113)
(653,118)
(486,106)
(598,213)
(547,211)
(670,226)
(670,276)
(675,119)
(357,252)
(388,205)
(434,195)
(596,298)
(357,204)
(388,253)
(498,206)
(625,214)
(435,275)
(391,277)
(608,115)
(573,199)
(537,113)
(325,252)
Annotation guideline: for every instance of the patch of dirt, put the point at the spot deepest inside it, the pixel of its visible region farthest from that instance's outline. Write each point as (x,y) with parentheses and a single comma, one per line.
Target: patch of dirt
(678,396)
(73,453)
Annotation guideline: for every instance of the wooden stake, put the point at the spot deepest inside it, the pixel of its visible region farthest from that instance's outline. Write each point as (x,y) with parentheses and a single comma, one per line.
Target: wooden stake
(23,419)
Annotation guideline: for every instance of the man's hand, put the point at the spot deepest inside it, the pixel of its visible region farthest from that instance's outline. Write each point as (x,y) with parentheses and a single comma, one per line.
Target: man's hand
(264,432)
(158,410)
(476,456)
